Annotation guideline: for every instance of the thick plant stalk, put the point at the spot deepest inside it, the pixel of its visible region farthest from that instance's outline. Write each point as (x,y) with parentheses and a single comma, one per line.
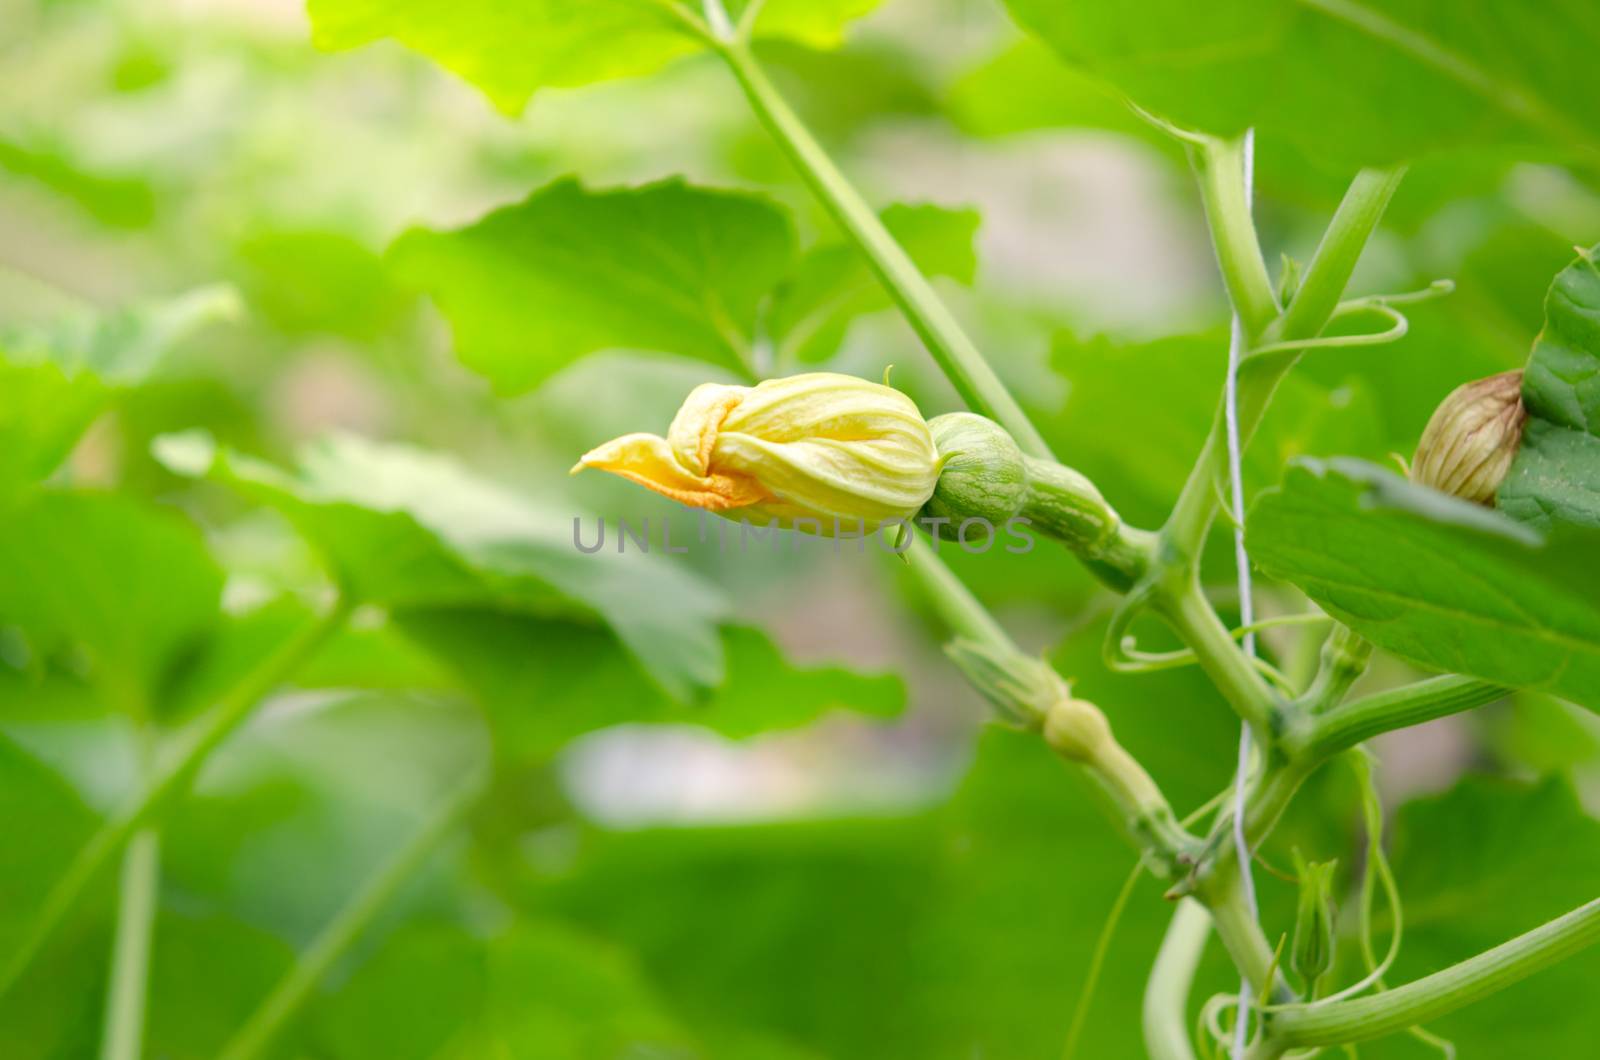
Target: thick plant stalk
(1223,167)
(1438,994)
(966,368)
(170,780)
(280,1006)
(1340,729)
(1307,314)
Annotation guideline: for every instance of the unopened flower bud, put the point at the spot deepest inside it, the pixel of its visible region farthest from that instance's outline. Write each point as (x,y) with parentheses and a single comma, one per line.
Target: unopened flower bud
(1313,928)
(1468,445)
(821,452)
(983,477)
(1022,688)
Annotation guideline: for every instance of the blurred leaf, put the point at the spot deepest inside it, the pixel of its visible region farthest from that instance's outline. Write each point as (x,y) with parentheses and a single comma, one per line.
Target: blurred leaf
(976,917)
(1446,584)
(666,266)
(1556,475)
(1464,861)
(1449,342)
(335,781)
(1541,732)
(420,991)
(1026,87)
(545,682)
(286,821)
(511,51)
(131,586)
(833,283)
(57,824)
(51,1012)
(368,653)
(113,200)
(207,974)
(555,992)
(404,528)
(844,93)
(800,930)
(55,380)
(318,282)
(1326,74)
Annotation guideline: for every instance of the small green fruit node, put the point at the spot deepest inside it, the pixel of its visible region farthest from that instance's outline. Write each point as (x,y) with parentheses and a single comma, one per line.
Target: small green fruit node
(982,474)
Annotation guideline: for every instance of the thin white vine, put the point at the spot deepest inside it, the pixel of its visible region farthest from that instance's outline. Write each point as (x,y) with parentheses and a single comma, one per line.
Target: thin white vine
(1241,559)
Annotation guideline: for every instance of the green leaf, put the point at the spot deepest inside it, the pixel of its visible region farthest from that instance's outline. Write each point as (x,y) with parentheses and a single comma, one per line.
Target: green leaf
(58,822)
(1541,732)
(208,971)
(1556,475)
(419,992)
(131,586)
(310,282)
(1328,75)
(405,528)
(545,682)
(55,380)
(512,50)
(43,1017)
(556,992)
(833,284)
(1026,87)
(666,266)
(367,653)
(974,917)
(1438,581)
(1466,862)
(339,783)
(114,199)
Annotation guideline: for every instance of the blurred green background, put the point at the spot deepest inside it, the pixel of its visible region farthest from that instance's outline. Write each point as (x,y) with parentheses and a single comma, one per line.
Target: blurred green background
(793,838)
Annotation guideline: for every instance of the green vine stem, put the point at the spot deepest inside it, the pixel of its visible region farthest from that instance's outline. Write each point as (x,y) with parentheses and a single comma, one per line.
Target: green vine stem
(1241,933)
(1241,684)
(966,368)
(1341,661)
(1166,995)
(1220,166)
(138,892)
(1311,741)
(291,992)
(1325,735)
(172,777)
(1425,999)
(1325,279)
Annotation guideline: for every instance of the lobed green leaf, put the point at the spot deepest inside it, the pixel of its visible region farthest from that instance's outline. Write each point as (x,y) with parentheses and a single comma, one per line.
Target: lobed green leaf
(1556,475)
(1363,81)
(1446,584)
(668,266)
(512,50)
(404,528)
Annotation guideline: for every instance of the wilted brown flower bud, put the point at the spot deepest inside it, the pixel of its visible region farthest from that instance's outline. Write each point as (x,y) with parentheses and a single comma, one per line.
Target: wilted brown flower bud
(1469,444)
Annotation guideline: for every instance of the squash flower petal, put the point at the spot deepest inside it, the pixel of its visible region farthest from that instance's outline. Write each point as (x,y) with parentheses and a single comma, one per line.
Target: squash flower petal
(821,452)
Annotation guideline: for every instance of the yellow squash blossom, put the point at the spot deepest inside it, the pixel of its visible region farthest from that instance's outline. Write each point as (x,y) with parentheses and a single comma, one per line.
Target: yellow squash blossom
(821,452)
